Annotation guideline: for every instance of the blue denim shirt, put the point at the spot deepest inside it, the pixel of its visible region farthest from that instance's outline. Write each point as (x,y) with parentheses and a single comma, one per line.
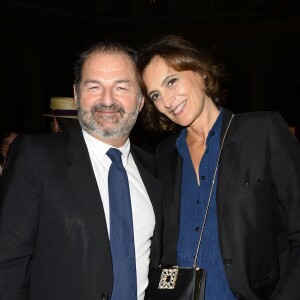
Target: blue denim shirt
(194,200)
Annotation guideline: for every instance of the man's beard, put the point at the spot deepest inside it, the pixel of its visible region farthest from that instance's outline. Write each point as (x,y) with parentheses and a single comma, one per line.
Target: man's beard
(105,126)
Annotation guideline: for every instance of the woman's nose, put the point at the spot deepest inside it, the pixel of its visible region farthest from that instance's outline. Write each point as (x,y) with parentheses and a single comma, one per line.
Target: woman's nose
(167,101)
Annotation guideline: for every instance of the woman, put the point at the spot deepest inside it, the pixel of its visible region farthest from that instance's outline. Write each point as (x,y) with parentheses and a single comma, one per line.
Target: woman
(244,169)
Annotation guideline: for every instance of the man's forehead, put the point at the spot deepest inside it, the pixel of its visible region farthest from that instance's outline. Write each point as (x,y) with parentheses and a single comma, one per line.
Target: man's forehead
(109,65)
(110,58)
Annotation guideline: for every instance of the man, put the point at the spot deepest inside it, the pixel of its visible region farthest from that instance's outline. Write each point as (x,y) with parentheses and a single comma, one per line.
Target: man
(63,113)
(55,228)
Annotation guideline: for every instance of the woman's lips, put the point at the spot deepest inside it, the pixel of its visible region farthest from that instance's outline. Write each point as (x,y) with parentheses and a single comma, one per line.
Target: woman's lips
(179,108)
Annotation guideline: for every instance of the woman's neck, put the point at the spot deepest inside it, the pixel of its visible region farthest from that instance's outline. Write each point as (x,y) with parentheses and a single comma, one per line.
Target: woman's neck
(198,131)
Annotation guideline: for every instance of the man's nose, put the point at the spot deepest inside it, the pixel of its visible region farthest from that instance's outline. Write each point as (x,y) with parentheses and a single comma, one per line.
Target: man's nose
(107,97)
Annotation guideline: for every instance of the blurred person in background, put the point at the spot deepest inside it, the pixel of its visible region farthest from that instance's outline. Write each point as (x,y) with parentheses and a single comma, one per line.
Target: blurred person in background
(63,112)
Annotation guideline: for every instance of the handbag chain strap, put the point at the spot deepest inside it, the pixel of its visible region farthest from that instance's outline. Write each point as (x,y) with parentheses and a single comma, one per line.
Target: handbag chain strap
(210,193)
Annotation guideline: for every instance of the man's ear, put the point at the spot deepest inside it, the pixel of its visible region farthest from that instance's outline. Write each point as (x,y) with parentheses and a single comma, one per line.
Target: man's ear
(75,95)
(141,103)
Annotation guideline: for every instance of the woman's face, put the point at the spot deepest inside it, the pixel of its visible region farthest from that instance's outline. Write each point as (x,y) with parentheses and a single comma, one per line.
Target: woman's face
(178,95)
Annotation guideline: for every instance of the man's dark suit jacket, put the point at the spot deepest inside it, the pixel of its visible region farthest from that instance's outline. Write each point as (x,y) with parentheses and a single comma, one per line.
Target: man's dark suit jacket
(258,205)
(54,243)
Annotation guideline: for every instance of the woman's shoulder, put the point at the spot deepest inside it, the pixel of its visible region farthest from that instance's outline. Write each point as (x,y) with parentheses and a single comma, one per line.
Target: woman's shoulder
(258,120)
(255,116)
(256,127)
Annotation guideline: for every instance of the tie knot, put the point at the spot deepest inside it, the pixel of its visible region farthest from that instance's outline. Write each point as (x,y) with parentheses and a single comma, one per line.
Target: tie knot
(114,154)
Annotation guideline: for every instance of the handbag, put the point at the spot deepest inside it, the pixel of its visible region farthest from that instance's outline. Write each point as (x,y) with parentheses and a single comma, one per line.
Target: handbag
(177,283)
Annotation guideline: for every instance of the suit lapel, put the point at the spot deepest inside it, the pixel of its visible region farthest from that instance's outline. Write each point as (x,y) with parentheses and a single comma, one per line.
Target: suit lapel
(82,178)
(226,163)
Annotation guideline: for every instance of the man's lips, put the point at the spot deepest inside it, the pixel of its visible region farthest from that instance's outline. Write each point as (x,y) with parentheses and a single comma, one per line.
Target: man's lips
(104,109)
(107,112)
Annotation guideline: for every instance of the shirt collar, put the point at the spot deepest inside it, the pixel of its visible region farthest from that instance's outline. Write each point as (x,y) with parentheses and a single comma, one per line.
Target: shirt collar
(215,128)
(102,148)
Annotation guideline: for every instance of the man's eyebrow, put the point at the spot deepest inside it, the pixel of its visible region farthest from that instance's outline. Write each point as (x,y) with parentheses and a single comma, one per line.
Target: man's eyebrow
(85,82)
(123,81)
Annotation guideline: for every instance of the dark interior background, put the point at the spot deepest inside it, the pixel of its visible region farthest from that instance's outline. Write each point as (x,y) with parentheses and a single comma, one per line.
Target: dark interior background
(258,40)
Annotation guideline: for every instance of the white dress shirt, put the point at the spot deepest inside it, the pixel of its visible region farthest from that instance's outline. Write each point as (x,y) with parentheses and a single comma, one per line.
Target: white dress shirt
(142,210)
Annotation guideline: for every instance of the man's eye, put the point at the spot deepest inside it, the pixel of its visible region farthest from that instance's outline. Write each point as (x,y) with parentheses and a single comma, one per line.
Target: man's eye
(172,81)
(93,87)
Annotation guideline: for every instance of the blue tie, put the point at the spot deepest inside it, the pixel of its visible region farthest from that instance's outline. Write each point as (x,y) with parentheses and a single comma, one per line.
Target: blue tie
(121,230)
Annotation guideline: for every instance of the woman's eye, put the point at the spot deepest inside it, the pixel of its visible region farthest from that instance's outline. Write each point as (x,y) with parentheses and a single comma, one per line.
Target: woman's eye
(154,97)
(172,81)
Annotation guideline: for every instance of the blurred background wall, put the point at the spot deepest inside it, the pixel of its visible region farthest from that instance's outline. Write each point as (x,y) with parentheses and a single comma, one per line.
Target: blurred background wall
(258,40)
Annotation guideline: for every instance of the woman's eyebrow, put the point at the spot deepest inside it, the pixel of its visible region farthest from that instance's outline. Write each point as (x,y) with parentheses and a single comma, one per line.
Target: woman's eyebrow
(166,79)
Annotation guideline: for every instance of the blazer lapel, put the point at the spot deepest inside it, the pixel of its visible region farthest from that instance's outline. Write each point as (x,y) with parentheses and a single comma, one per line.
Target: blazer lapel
(172,211)
(226,163)
(82,178)
(176,178)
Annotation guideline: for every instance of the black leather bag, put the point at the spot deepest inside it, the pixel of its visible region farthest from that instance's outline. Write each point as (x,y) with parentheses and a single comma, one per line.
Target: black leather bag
(176,284)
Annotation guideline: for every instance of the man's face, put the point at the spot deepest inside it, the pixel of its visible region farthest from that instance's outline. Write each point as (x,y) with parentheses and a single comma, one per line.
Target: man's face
(109,101)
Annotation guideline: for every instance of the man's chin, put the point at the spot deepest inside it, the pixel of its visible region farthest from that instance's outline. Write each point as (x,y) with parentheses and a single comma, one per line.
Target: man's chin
(109,131)
(107,134)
